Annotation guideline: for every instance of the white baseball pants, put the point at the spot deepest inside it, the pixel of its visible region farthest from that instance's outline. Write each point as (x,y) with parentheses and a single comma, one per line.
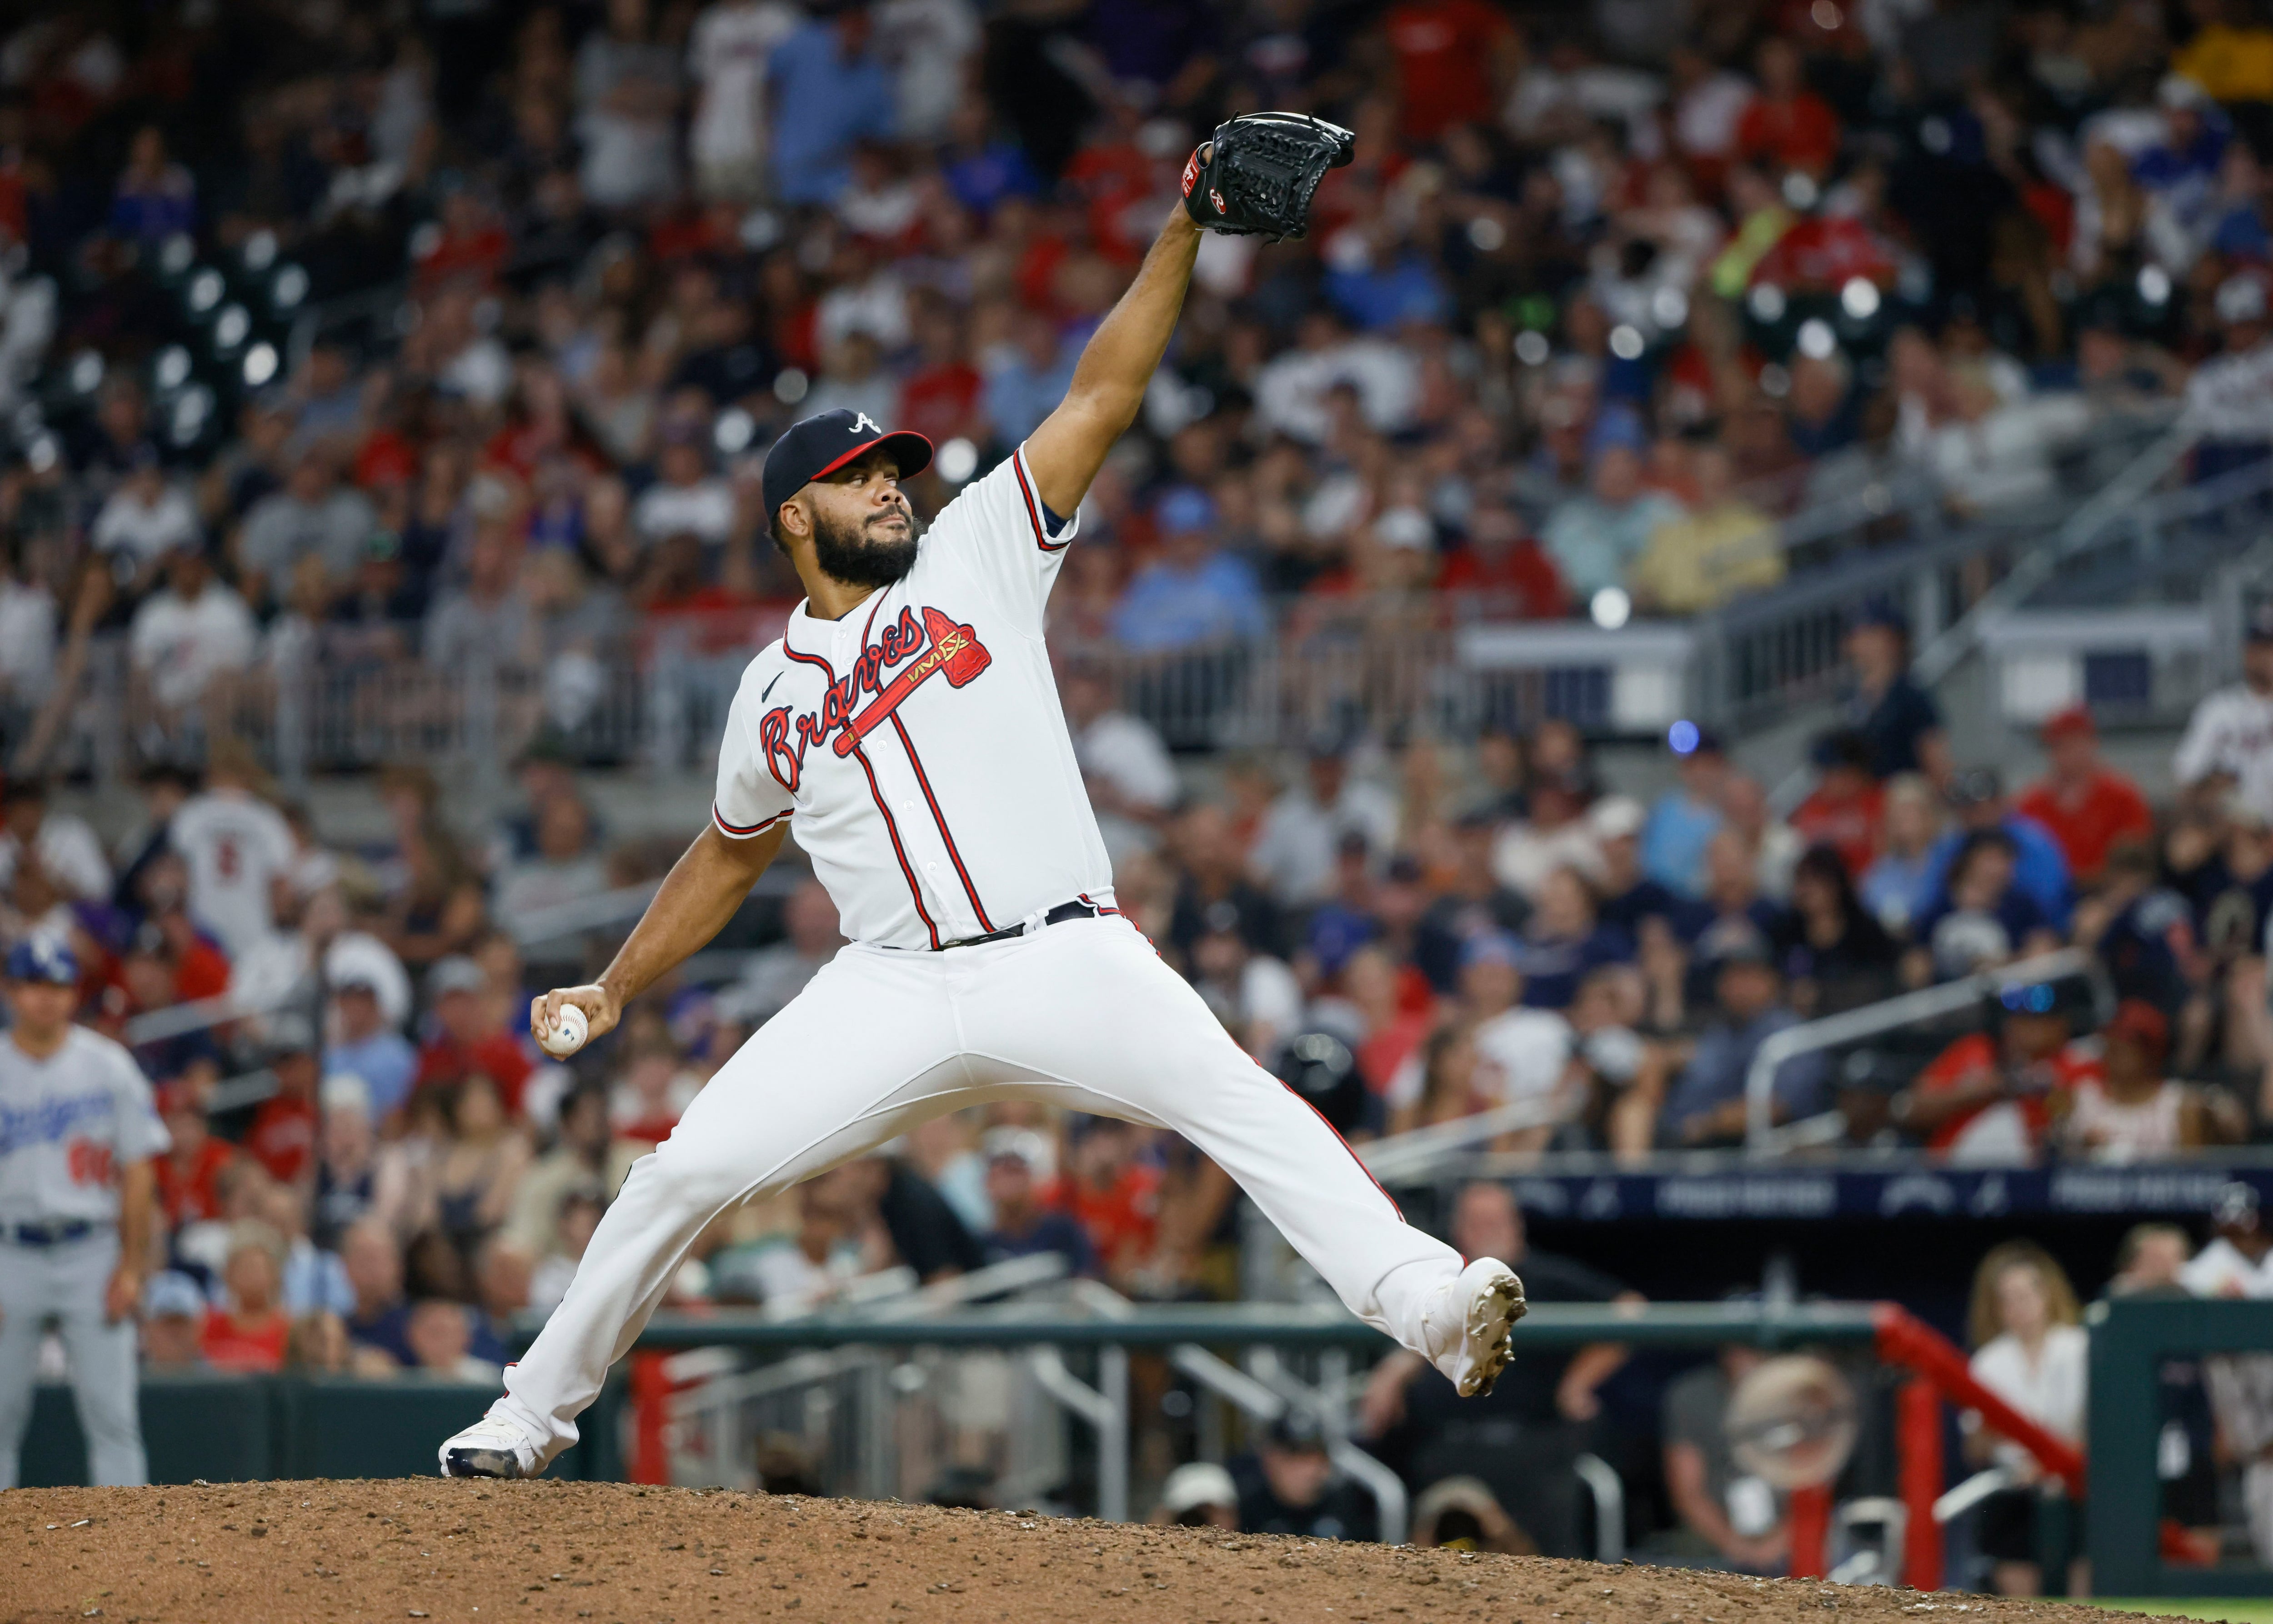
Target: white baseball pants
(1083,1014)
(66,1283)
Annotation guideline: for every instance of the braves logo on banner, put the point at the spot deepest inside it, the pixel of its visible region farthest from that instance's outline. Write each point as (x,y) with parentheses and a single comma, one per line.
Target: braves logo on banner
(914,651)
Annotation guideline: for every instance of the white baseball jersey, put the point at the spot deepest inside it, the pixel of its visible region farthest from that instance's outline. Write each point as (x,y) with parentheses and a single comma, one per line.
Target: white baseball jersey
(2231,731)
(67,1125)
(916,744)
(235,845)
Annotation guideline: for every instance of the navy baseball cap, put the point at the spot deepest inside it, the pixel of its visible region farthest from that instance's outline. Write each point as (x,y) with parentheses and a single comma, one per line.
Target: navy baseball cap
(825,442)
(42,959)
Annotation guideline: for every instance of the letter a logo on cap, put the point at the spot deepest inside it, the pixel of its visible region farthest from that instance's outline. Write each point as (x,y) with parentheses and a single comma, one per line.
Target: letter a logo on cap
(861,422)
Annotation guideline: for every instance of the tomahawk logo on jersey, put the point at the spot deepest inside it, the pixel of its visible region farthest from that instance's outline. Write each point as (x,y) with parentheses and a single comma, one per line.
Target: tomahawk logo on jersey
(909,724)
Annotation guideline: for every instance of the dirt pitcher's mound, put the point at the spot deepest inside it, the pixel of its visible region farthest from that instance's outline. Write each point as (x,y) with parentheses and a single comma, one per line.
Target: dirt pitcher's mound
(473,1553)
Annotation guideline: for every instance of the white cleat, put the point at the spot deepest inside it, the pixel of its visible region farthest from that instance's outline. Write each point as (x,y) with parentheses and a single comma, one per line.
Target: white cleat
(491,1447)
(1467,1322)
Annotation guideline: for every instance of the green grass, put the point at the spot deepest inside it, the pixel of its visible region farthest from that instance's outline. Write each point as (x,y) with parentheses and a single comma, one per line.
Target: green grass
(2246,1610)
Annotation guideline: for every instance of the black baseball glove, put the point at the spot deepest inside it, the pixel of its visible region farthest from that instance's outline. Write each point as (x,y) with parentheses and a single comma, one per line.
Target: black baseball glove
(1256,175)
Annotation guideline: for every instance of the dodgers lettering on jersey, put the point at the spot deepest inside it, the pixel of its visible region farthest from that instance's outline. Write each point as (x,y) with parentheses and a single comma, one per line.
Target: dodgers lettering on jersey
(916,746)
(67,1125)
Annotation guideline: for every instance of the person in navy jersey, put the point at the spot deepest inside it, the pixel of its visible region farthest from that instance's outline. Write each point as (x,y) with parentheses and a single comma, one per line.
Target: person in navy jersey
(1564,942)
(1024,1228)
(1984,917)
(1475,901)
(1897,719)
(1629,895)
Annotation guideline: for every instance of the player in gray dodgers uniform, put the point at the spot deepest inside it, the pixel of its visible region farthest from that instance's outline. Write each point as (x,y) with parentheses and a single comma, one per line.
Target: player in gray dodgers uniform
(77,1131)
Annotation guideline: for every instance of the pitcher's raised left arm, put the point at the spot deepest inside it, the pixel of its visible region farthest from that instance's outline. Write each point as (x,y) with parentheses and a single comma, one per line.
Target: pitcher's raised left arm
(1118,362)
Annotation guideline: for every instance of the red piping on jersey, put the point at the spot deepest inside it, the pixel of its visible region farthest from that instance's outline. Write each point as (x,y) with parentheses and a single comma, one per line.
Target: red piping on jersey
(1033,513)
(1101,907)
(740,833)
(1337,1132)
(876,794)
(923,782)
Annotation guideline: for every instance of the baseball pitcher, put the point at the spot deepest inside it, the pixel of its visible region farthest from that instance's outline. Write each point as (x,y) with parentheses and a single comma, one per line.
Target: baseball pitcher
(77,1131)
(907,727)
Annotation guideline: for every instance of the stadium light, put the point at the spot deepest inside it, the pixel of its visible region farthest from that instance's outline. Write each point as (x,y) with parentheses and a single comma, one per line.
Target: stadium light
(206,291)
(260,364)
(1626,341)
(1817,341)
(231,328)
(1767,303)
(1859,298)
(177,254)
(260,251)
(85,372)
(289,288)
(173,368)
(1668,307)
(190,415)
(1486,235)
(1611,608)
(1683,737)
(958,460)
(733,432)
(2154,284)
(790,385)
(1532,347)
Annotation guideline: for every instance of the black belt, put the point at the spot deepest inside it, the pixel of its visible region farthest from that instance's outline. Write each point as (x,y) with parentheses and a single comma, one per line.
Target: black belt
(1057,915)
(50,1234)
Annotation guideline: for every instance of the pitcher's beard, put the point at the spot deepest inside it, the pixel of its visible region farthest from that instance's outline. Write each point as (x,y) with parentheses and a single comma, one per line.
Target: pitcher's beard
(845,553)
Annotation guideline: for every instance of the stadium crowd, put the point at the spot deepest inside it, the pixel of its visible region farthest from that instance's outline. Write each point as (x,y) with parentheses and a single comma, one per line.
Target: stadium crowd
(1606,296)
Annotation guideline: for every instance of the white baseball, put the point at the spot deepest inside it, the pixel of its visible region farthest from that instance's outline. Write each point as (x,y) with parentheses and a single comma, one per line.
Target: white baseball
(569,1031)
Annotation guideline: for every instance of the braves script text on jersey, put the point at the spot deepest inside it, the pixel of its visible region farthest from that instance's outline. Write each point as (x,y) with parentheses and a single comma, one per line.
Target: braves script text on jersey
(917,749)
(69,1123)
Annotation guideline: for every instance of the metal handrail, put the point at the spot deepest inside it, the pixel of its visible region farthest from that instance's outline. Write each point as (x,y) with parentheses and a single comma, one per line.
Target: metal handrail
(1890,1014)
(1401,1155)
(2109,505)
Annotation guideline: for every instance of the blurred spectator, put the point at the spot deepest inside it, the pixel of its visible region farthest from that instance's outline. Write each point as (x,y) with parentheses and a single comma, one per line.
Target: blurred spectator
(1564,942)
(365,1045)
(1684,819)
(318,1345)
(145,518)
(353,1178)
(239,849)
(481,1164)
(189,633)
(2040,872)
(654,1092)
(471,1035)
(1460,1514)
(1192,596)
(1521,1438)
(1289,1486)
(283,1135)
(1989,1098)
(1847,806)
(1554,837)
(1125,766)
(831,89)
(2231,732)
(1114,1195)
(313,517)
(156,197)
(575,1216)
(2085,804)
(2150,1261)
(1470,899)
(1894,886)
(440,1334)
(1896,718)
(1024,1226)
(191,1172)
(566,867)
(2031,1351)
(1199,1494)
(1983,917)
(587,1154)
(2130,1111)
(1721,547)
(1835,955)
(247,1332)
(775,974)
(1728,1516)
(1294,854)
(504,1276)
(796,1275)
(1597,538)
(381,1317)
(627,86)
(1707,1104)
(173,1321)
(64,848)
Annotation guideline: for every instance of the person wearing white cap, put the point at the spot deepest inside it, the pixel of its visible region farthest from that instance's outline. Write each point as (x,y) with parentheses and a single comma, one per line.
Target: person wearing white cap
(1199,1494)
